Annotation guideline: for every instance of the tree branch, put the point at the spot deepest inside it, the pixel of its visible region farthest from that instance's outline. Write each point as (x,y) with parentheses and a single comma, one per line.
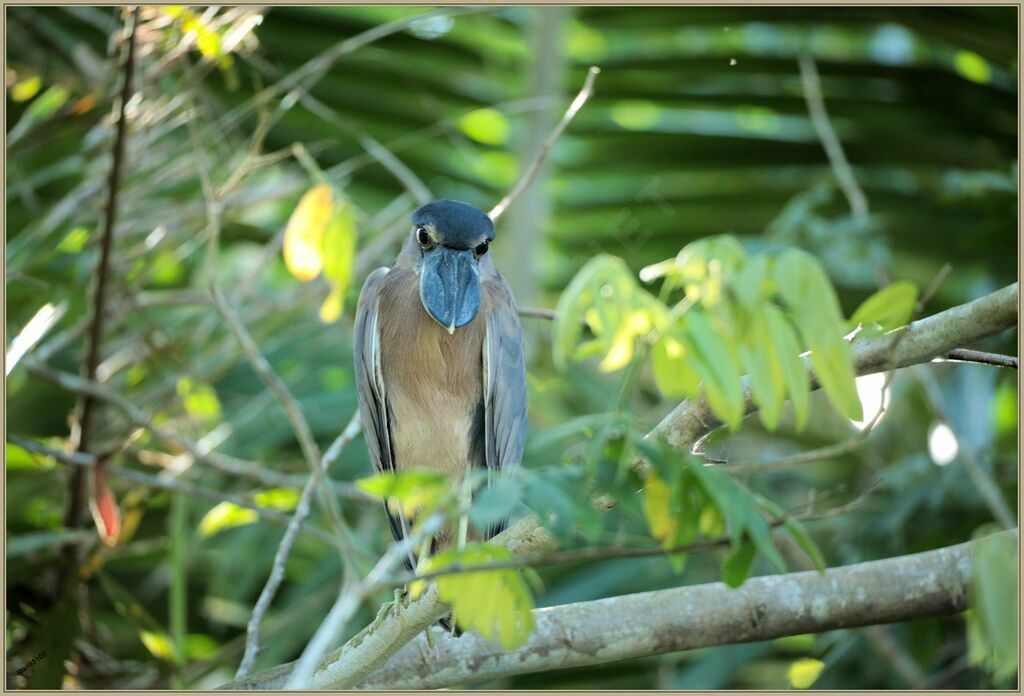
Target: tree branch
(82,429)
(982,358)
(932,583)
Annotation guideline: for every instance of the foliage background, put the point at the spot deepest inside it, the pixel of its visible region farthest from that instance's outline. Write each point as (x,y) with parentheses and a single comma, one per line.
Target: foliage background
(698,126)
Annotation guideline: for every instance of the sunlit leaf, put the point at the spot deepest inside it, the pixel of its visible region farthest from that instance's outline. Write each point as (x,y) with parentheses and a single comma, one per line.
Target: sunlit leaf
(24,90)
(304,234)
(339,246)
(487,126)
(804,672)
(673,367)
(413,491)
(889,308)
(200,401)
(495,603)
(225,516)
(334,304)
(74,241)
(158,644)
(278,498)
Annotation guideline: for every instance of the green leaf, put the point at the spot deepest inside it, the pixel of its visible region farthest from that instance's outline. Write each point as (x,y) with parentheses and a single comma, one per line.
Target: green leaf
(339,246)
(801,538)
(605,295)
(717,368)
(495,603)
(487,126)
(740,510)
(414,491)
(787,350)
(889,308)
(284,499)
(737,564)
(807,291)
(992,621)
(674,373)
(495,503)
(200,401)
(36,542)
(764,370)
(225,516)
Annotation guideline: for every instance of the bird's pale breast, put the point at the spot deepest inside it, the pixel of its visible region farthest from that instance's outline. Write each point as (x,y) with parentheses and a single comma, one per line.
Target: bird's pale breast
(433,378)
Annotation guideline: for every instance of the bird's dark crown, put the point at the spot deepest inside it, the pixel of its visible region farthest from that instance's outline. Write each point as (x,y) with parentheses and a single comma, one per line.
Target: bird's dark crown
(455,224)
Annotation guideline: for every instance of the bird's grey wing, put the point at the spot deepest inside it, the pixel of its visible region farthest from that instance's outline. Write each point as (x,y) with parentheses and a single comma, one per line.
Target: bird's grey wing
(371,390)
(504,387)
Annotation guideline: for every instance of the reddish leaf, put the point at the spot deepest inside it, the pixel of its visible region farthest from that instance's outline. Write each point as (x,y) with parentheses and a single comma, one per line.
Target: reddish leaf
(104,508)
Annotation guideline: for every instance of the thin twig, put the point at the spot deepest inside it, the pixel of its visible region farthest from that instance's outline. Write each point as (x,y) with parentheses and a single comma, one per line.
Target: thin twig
(252,634)
(140,419)
(617,552)
(981,357)
(353,591)
(538,313)
(259,363)
(982,480)
(542,154)
(827,135)
(88,461)
(82,430)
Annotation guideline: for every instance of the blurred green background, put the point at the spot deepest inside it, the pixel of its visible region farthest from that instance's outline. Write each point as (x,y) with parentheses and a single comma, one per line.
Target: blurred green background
(698,126)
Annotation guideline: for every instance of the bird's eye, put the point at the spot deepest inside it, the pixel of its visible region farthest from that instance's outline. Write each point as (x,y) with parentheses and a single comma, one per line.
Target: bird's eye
(423,237)
(482,248)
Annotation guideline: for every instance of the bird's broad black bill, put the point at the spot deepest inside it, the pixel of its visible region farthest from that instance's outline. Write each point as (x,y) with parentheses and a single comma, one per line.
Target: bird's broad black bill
(450,286)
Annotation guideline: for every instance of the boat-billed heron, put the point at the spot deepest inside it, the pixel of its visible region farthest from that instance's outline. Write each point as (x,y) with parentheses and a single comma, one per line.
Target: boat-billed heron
(439,356)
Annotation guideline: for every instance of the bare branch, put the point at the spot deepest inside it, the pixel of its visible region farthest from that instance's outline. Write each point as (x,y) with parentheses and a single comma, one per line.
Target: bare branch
(982,358)
(829,140)
(284,549)
(542,154)
(82,427)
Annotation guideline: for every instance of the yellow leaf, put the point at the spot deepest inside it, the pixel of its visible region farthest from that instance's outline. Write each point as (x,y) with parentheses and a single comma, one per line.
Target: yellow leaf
(304,235)
(225,516)
(804,672)
(656,508)
(26,89)
(158,644)
(331,309)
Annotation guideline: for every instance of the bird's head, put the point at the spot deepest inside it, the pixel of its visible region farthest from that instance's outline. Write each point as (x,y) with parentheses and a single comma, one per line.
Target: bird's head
(452,237)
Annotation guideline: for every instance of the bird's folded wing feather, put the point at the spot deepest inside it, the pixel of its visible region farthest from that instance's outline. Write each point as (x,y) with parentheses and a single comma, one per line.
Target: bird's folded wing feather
(371,390)
(504,386)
